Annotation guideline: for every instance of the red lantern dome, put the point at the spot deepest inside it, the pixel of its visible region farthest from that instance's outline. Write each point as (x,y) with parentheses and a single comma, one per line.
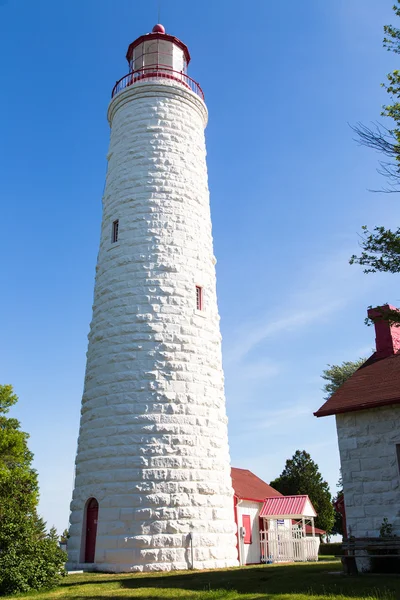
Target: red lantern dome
(158,28)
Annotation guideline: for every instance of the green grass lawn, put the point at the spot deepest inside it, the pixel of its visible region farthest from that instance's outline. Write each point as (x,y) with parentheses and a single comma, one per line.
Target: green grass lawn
(318,581)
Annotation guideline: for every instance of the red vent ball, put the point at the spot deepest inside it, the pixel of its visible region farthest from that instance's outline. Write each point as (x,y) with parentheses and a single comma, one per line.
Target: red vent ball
(158,28)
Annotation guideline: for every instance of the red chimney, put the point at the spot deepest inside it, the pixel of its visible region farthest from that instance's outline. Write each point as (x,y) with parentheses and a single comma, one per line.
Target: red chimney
(387,335)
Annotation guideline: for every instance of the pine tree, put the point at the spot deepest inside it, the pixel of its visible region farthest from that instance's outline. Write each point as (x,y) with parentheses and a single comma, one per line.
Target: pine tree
(336,375)
(64,536)
(301,476)
(338,524)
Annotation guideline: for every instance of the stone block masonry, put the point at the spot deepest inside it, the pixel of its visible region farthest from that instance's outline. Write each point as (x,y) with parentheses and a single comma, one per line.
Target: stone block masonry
(153,446)
(370,470)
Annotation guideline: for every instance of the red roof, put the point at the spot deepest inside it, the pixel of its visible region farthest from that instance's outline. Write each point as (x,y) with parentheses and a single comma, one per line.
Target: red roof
(376,383)
(286,506)
(248,486)
(316,530)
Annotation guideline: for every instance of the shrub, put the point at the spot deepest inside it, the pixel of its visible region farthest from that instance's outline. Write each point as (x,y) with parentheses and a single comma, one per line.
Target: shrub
(331,548)
(382,560)
(30,558)
(31,565)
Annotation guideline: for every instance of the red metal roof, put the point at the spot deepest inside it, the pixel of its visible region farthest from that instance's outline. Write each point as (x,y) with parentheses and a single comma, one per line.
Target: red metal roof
(376,383)
(248,486)
(285,506)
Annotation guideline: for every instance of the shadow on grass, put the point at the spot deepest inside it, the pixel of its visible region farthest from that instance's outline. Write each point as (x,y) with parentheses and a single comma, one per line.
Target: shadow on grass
(205,596)
(269,581)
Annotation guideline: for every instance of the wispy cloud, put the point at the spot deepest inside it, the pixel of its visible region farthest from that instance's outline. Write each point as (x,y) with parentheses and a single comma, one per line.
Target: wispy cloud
(286,419)
(365,351)
(262,369)
(278,418)
(323,291)
(267,328)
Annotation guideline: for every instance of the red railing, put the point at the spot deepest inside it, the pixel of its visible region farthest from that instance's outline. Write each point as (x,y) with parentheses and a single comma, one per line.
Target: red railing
(157,72)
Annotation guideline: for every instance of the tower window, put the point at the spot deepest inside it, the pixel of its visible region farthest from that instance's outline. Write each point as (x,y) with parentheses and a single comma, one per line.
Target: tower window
(114,235)
(199,297)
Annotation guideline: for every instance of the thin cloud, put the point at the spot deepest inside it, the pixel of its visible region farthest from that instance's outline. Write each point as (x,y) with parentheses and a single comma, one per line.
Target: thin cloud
(327,289)
(260,370)
(283,419)
(263,330)
(279,418)
(365,351)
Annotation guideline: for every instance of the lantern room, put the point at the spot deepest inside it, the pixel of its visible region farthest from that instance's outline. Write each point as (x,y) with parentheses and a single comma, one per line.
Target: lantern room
(158,52)
(157,56)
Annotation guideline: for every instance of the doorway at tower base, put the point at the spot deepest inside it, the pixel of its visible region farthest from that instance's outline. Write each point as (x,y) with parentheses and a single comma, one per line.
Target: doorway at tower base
(161,533)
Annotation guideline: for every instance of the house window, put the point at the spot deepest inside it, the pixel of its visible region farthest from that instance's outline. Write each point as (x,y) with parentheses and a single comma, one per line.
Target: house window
(114,235)
(246,522)
(398,456)
(199,297)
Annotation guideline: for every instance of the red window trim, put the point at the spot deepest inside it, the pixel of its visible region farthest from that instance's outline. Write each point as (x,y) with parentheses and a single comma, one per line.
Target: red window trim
(199,297)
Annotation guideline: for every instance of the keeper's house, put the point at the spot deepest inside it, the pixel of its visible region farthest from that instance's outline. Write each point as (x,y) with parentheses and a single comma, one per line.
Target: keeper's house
(367,411)
(272,527)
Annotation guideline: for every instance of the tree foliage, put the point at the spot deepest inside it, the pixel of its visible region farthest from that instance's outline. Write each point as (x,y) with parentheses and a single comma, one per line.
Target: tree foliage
(336,375)
(337,528)
(64,537)
(381,247)
(381,250)
(30,558)
(301,476)
(386,140)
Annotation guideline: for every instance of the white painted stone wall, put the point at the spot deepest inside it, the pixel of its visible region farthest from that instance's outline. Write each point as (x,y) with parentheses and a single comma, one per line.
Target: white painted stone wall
(371,481)
(153,446)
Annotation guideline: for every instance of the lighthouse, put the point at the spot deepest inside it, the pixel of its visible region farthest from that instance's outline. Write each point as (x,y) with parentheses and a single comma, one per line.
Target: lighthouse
(152,483)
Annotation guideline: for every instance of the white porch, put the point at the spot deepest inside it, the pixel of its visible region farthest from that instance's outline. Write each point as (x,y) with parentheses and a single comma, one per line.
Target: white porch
(283,537)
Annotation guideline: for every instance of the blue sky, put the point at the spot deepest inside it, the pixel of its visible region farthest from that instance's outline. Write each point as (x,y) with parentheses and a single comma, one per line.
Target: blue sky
(289,193)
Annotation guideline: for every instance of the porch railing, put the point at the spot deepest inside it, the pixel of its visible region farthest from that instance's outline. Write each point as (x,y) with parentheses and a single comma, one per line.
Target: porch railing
(287,546)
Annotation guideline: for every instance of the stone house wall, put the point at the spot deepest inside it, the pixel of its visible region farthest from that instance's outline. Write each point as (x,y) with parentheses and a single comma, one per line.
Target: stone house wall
(371,481)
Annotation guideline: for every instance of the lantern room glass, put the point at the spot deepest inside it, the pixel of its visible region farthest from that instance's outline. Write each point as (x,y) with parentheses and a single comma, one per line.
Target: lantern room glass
(158,55)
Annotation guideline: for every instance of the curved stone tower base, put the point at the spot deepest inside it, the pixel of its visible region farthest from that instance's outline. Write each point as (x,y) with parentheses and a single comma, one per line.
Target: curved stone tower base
(153,445)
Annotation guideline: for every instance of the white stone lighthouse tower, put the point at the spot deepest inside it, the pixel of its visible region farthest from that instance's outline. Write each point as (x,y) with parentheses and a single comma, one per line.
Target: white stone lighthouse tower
(153,488)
